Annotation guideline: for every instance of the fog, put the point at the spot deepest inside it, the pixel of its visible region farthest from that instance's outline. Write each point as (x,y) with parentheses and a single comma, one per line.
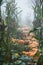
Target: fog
(26,17)
(27,14)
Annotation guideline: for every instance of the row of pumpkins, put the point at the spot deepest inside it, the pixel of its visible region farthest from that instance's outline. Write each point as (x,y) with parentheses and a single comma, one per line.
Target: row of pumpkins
(32,43)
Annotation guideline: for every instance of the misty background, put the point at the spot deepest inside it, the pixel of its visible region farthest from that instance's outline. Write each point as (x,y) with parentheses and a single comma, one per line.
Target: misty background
(27,14)
(26,17)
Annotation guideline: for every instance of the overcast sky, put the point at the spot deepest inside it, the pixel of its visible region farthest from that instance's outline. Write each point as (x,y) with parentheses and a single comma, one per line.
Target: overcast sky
(26,16)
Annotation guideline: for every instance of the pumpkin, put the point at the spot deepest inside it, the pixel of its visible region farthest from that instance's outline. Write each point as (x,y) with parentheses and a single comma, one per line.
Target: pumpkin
(21,41)
(33,45)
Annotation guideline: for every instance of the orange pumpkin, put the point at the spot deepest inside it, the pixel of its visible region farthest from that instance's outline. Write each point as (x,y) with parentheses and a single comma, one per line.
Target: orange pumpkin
(21,41)
(31,52)
(33,45)
(17,40)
